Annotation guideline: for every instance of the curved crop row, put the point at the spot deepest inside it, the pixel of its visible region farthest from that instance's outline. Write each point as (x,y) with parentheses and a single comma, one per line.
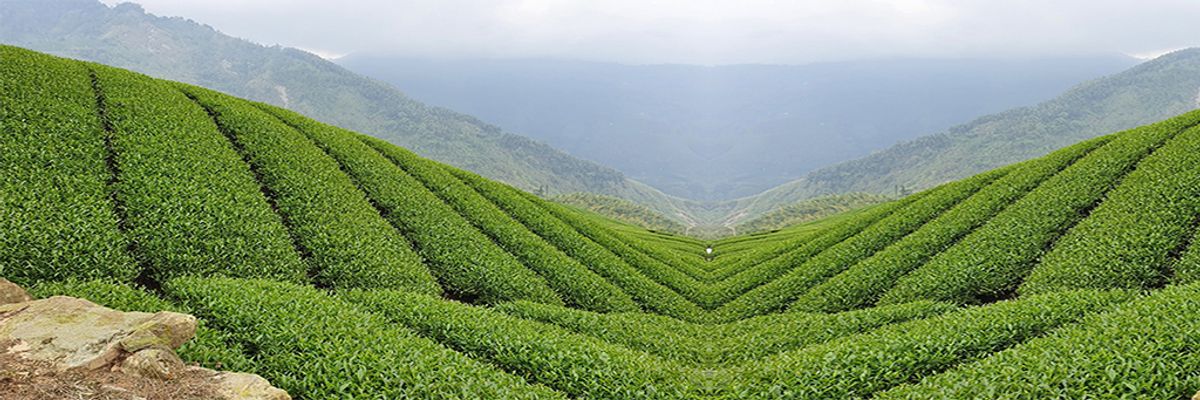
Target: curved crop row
(578,285)
(1145,349)
(991,261)
(192,206)
(714,345)
(863,284)
(1128,240)
(345,239)
(778,293)
(580,366)
(730,289)
(56,216)
(651,295)
(318,347)
(858,366)
(467,263)
(665,275)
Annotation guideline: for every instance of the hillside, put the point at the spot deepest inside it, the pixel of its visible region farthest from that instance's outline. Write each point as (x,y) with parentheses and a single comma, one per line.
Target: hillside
(1149,92)
(808,210)
(186,51)
(620,210)
(337,265)
(716,133)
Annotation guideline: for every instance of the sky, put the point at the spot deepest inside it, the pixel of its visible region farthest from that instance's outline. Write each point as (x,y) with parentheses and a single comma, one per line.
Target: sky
(703,31)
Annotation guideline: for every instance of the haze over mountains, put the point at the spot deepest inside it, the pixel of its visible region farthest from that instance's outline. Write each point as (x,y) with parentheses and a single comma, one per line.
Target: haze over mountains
(724,132)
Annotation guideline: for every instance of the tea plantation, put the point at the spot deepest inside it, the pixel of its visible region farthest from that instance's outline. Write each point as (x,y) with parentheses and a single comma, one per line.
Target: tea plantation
(340,266)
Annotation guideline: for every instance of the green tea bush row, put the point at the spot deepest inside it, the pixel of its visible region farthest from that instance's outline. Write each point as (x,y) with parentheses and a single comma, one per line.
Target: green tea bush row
(863,284)
(857,366)
(1128,240)
(716,345)
(580,366)
(993,260)
(466,262)
(577,285)
(347,242)
(663,274)
(778,293)
(210,348)
(192,205)
(318,347)
(729,289)
(56,216)
(651,295)
(1145,349)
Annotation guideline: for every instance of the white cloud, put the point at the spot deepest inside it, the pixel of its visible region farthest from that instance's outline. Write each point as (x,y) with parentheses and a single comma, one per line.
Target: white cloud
(703,31)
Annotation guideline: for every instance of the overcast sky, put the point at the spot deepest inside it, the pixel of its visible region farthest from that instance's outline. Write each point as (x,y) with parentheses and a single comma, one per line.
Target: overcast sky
(703,31)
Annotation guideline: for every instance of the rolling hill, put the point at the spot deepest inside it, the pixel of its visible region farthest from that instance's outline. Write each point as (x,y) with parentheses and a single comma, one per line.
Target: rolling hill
(338,265)
(1148,92)
(178,49)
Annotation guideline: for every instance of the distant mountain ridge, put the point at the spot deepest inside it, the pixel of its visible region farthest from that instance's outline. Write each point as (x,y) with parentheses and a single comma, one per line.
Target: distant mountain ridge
(1151,91)
(716,133)
(180,49)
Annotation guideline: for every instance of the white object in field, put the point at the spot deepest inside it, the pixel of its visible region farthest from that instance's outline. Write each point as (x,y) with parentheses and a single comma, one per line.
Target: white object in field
(708,250)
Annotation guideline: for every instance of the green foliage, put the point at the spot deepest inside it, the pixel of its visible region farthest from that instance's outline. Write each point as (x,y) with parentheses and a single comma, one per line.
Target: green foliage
(580,366)
(1144,349)
(809,210)
(763,266)
(344,238)
(857,366)
(1128,241)
(579,286)
(656,270)
(56,216)
(862,284)
(778,293)
(621,210)
(192,205)
(991,262)
(467,263)
(718,345)
(209,348)
(651,295)
(317,347)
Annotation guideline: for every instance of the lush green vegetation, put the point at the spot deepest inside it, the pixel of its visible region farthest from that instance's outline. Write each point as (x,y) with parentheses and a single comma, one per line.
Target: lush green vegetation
(809,210)
(621,210)
(340,266)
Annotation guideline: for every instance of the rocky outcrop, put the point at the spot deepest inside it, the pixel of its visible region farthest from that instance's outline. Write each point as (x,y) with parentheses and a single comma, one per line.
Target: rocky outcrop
(76,341)
(11,293)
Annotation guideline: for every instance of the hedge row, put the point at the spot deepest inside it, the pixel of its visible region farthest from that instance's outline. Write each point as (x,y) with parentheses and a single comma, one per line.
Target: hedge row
(55,212)
(192,206)
(778,293)
(577,285)
(863,284)
(670,277)
(580,366)
(993,260)
(345,239)
(210,348)
(1145,349)
(754,275)
(717,345)
(1130,238)
(651,295)
(318,347)
(858,366)
(467,263)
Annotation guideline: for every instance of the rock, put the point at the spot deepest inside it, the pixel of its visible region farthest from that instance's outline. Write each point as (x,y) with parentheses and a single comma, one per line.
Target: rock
(154,363)
(11,293)
(239,386)
(76,333)
(74,348)
(1196,397)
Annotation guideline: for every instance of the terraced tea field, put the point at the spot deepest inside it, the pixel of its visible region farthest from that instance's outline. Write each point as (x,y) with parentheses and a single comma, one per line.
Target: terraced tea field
(340,266)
